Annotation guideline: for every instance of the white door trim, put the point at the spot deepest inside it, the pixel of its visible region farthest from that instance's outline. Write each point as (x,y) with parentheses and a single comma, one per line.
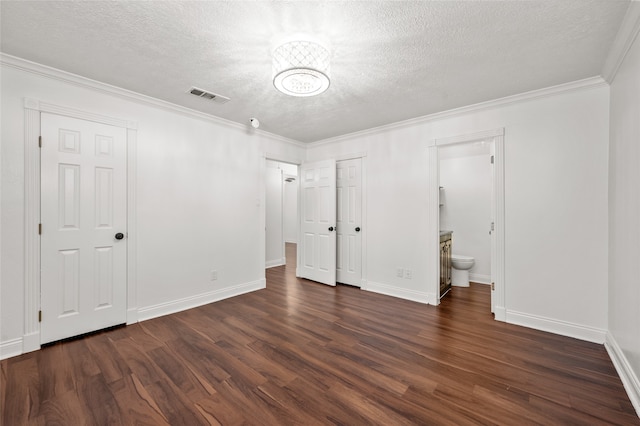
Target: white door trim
(497,136)
(32,110)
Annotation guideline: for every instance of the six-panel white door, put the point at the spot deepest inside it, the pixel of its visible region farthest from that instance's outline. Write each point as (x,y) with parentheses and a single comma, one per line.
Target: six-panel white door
(349,212)
(317,246)
(83,207)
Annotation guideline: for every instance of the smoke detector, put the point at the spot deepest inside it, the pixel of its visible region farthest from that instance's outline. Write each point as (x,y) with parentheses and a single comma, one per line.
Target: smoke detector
(204,94)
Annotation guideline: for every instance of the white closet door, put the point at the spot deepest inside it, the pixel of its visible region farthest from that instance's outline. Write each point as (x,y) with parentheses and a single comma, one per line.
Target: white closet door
(349,220)
(317,246)
(83,215)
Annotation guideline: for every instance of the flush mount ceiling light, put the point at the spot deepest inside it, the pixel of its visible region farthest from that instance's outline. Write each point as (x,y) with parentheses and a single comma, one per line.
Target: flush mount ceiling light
(301,67)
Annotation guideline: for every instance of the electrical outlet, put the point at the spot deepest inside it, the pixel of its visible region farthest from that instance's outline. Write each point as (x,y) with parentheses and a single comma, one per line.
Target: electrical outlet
(214,275)
(399,272)
(408,274)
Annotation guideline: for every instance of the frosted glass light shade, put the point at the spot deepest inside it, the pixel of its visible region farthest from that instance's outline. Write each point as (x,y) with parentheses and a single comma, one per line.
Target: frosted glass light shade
(301,68)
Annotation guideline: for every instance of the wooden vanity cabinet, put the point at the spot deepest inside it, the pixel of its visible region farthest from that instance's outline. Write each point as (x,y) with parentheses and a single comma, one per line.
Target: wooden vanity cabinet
(445,262)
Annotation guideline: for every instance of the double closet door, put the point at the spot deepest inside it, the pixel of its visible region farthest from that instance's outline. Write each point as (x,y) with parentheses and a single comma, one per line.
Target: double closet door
(330,246)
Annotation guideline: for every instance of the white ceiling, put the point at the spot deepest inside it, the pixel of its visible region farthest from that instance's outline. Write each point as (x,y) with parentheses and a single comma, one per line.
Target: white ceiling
(391,60)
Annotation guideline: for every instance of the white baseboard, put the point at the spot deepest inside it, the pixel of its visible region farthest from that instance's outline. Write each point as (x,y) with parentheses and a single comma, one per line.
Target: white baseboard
(433,298)
(563,328)
(480,278)
(11,348)
(132,315)
(402,293)
(625,371)
(174,306)
(275,262)
(499,313)
(31,342)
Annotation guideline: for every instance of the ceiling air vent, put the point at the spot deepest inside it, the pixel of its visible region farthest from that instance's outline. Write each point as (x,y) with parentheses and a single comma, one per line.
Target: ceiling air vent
(209,95)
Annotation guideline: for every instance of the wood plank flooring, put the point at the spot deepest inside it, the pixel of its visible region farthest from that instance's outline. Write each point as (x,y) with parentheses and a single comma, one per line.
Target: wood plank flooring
(301,353)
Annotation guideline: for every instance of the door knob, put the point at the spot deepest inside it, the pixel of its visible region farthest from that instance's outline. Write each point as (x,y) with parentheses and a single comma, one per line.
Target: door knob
(357,229)
(330,228)
(119,236)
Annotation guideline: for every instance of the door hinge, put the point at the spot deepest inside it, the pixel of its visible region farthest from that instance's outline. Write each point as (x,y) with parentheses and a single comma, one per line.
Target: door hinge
(492,159)
(39,316)
(493,286)
(39,141)
(39,229)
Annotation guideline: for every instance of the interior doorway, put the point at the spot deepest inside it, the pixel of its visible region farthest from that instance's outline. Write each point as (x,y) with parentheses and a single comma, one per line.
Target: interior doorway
(281,210)
(465,209)
(33,111)
(495,139)
(285,204)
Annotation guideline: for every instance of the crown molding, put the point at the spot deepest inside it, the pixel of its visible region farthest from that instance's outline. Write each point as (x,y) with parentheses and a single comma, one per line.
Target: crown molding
(587,83)
(77,80)
(627,34)
(97,86)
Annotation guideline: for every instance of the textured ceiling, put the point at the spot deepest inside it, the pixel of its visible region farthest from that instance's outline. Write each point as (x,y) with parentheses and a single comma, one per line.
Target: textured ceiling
(391,60)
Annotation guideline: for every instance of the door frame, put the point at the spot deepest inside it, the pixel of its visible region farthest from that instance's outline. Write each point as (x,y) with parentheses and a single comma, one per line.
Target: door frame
(32,283)
(281,158)
(433,253)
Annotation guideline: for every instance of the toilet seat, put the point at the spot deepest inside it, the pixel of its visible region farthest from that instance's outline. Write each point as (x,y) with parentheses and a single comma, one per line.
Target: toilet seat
(462,258)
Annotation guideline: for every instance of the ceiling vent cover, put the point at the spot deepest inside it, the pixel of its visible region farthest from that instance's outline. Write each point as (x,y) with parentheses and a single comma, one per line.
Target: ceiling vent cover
(209,95)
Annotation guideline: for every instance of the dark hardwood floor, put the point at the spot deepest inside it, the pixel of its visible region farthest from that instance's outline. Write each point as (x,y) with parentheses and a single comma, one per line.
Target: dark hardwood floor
(301,353)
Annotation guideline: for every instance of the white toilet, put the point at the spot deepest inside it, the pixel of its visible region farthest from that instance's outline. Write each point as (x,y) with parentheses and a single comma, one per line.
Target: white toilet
(460,269)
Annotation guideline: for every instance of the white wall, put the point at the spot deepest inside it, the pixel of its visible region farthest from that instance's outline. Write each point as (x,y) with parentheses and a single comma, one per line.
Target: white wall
(288,169)
(274,182)
(465,175)
(282,210)
(556,149)
(290,199)
(624,221)
(291,208)
(200,188)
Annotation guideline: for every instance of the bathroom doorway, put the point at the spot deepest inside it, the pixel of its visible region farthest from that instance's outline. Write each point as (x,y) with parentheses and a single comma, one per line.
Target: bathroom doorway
(466,191)
(466,196)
